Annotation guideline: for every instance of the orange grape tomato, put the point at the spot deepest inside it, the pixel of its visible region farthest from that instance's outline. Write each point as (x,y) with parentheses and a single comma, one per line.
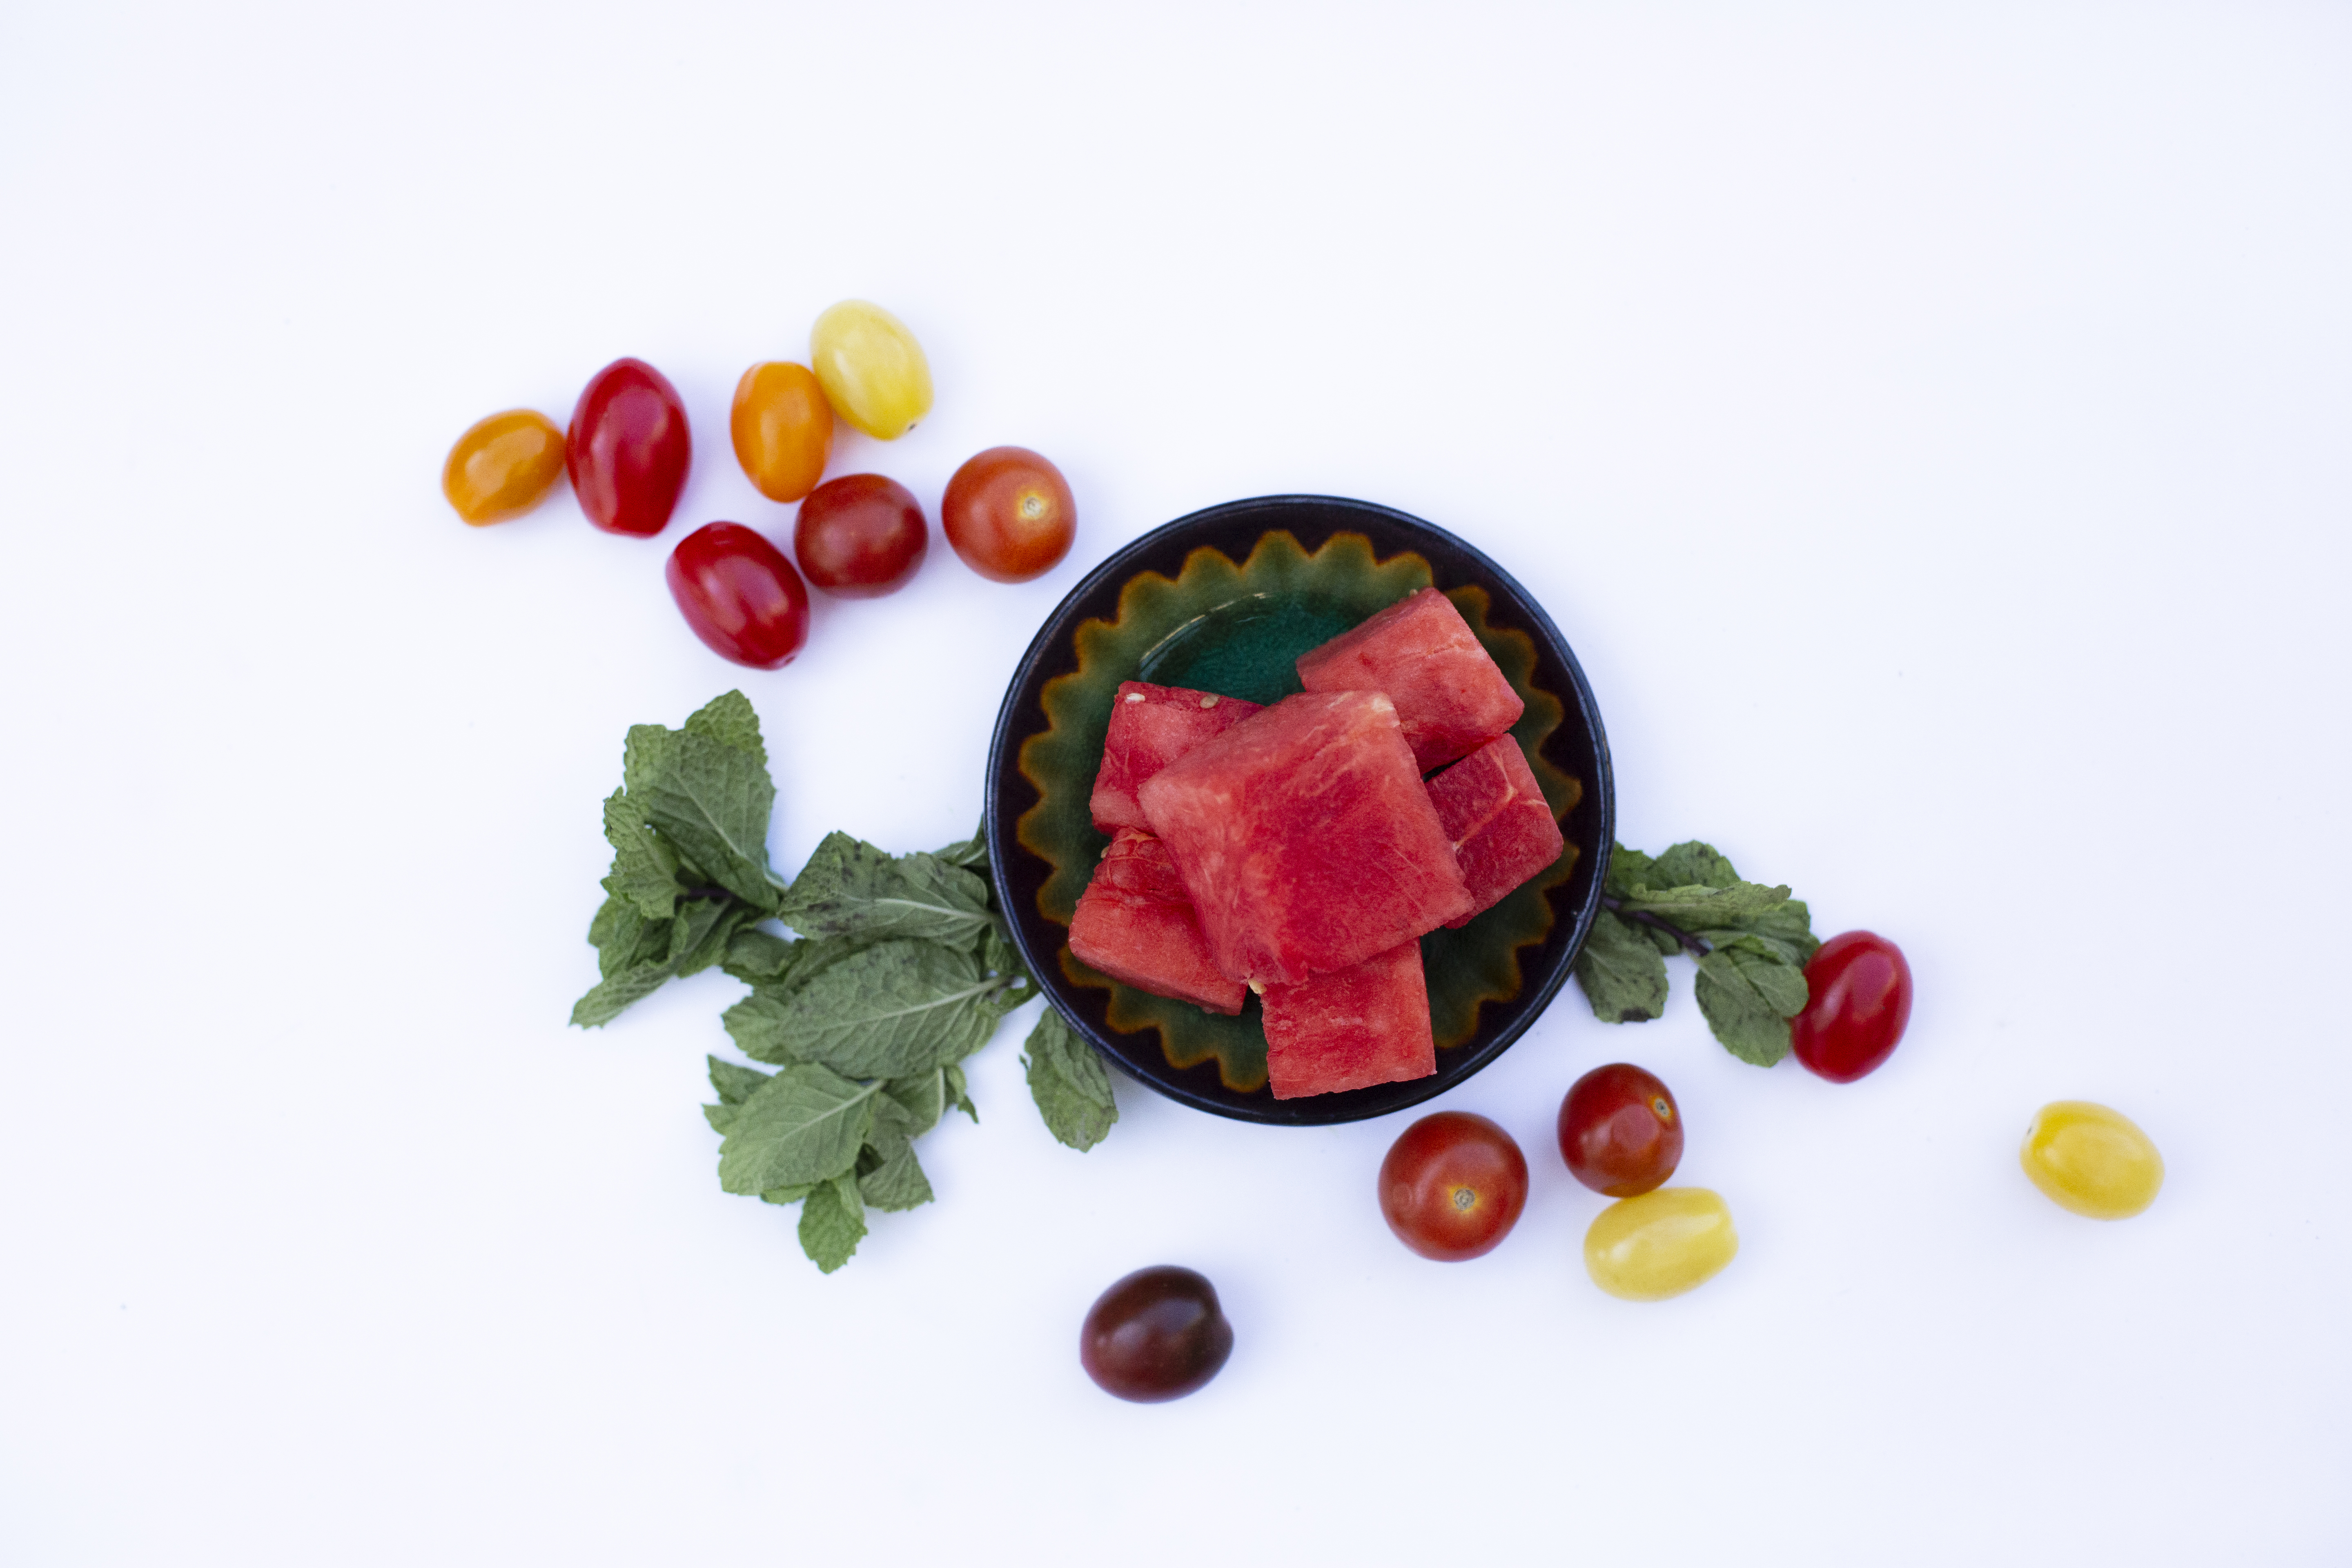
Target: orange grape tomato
(1008,513)
(783,427)
(503,466)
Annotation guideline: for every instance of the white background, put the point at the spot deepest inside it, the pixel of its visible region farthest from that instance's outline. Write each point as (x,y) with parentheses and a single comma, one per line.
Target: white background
(1929,424)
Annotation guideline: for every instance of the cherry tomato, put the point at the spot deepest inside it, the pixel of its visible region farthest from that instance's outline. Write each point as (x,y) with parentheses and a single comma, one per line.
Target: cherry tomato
(1660,1244)
(1619,1131)
(628,448)
(503,466)
(1157,1334)
(860,536)
(2092,1160)
(872,369)
(1859,999)
(1453,1186)
(782,428)
(739,595)
(1009,514)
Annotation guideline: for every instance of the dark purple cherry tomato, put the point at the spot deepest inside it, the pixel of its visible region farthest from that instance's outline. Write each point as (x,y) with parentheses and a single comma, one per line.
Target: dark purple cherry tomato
(1619,1131)
(628,448)
(739,595)
(860,536)
(1453,1186)
(1157,1334)
(1859,1000)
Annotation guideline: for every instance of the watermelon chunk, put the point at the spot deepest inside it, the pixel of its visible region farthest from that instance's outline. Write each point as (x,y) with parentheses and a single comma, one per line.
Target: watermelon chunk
(1351,1029)
(1449,695)
(1135,923)
(1502,827)
(1306,838)
(1151,727)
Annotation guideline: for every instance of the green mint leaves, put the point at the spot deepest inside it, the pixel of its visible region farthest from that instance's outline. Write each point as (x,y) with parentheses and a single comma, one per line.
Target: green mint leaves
(1752,943)
(900,968)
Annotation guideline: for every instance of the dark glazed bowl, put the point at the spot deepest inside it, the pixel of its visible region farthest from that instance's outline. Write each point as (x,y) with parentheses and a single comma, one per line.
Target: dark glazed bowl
(1225,600)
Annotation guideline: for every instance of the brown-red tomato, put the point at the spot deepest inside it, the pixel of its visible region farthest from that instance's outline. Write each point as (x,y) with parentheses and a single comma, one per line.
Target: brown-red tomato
(1858,1001)
(628,448)
(1157,1334)
(1452,1185)
(739,595)
(860,536)
(1008,513)
(1619,1131)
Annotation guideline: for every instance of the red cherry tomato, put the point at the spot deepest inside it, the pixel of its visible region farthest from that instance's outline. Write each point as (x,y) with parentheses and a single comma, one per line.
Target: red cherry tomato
(1619,1131)
(1008,513)
(1157,1334)
(739,595)
(860,536)
(628,448)
(1859,1000)
(1453,1186)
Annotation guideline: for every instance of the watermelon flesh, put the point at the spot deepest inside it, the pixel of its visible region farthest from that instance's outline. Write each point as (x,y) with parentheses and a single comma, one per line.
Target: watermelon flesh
(1306,838)
(1450,697)
(1135,923)
(1351,1029)
(1502,827)
(1151,727)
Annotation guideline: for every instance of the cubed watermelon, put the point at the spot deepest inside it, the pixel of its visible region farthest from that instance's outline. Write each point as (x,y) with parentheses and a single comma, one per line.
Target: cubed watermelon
(1502,827)
(1359,1026)
(1135,923)
(1449,695)
(1151,727)
(1306,838)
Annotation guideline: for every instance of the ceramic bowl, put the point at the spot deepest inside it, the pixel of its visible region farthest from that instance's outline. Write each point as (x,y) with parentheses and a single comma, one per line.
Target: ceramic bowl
(1225,600)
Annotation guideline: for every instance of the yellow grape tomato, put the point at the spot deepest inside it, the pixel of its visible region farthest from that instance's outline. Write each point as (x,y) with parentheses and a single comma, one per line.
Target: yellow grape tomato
(503,466)
(2091,1160)
(872,369)
(782,428)
(1660,1244)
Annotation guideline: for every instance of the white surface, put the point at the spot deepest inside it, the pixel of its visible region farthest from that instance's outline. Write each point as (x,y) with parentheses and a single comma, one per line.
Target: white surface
(1930,429)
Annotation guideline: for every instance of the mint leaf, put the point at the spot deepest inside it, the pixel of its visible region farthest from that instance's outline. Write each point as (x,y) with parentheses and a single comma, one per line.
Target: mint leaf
(699,935)
(641,757)
(735,1084)
(1626,868)
(887,1011)
(833,1222)
(1697,907)
(712,802)
(971,852)
(761,1028)
(1622,972)
(1690,863)
(644,869)
(921,1099)
(804,1124)
(625,939)
(849,888)
(757,957)
(1069,1083)
(888,1175)
(607,999)
(729,721)
(790,1195)
(1748,999)
(951,1081)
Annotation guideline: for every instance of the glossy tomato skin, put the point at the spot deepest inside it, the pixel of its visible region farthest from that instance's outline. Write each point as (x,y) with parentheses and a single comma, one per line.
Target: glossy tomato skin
(503,466)
(1621,1131)
(739,595)
(1158,1334)
(1009,515)
(872,369)
(1858,1001)
(628,448)
(1453,1186)
(860,536)
(783,430)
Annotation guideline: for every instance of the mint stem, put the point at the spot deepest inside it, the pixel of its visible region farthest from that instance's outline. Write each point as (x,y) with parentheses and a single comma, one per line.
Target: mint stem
(1697,947)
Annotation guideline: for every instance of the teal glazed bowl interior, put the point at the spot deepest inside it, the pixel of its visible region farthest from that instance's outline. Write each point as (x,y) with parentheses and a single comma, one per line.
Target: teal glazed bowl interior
(1223,601)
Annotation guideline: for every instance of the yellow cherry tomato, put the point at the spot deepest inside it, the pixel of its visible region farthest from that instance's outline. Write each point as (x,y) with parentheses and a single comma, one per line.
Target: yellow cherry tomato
(503,466)
(782,428)
(2091,1160)
(1660,1244)
(872,369)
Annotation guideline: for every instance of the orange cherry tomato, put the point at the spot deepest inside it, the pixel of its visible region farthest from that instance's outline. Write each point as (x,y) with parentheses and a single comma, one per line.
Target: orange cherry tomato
(783,427)
(503,466)
(1008,513)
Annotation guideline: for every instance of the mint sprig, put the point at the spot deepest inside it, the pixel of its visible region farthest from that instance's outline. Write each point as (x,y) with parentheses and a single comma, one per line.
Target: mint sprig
(1752,943)
(900,968)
